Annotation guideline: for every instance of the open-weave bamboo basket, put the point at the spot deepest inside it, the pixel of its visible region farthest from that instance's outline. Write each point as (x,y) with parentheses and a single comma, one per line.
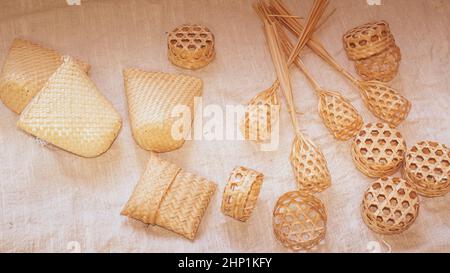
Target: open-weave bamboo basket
(169,197)
(241,193)
(390,205)
(71,113)
(191,46)
(299,220)
(372,46)
(152,98)
(378,150)
(27,67)
(427,168)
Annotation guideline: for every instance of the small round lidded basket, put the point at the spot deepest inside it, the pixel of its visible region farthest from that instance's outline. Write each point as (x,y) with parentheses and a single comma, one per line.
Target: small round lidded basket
(372,46)
(191,46)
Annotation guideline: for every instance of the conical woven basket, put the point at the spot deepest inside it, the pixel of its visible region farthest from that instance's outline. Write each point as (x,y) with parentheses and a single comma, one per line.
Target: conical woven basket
(299,220)
(378,150)
(152,98)
(169,197)
(191,46)
(241,193)
(390,205)
(427,168)
(27,67)
(71,113)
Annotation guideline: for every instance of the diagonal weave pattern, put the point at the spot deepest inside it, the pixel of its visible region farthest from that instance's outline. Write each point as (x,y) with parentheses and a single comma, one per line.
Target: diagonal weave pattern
(261,114)
(152,96)
(241,193)
(339,115)
(378,150)
(309,166)
(427,168)
(71,113)
(299,220)
(382,67)
(384,102)
(27,67)
(169,197)
(191,46)
(390,205)
(367,40)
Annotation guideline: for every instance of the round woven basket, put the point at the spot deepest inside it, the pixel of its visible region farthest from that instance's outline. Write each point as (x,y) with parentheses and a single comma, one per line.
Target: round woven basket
(191,46)
(390,205)
(382,67)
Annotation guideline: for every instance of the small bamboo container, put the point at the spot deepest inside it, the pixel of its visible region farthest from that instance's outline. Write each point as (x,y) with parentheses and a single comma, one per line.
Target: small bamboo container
(241,193)
(191,46)
(169,197)
(427,168)
(390,206)
(372,46)
(378,150)
(299,220)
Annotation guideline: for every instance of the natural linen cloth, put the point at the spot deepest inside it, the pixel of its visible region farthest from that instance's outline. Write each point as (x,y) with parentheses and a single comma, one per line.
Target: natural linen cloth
(51,200)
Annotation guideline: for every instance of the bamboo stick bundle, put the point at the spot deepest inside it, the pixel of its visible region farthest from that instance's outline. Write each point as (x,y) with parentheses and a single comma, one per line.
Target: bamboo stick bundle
(382,100)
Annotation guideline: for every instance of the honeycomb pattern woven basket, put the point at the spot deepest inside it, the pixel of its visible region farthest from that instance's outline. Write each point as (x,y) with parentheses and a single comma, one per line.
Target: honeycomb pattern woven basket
(382,67)
(169,197)
(299,220)
(241,193)
(152,98)
(427,168)
(191,46)
(390,206)
(27,67)
(378,150)
(72,114)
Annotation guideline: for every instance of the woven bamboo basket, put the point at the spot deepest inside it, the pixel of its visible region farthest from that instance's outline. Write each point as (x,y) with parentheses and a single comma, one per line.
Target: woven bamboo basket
(27,67)
(261,114)
(378,150)
(191,46)
(71,113)
(241,193)
(382,67)
(152,96)
(390,206)
(299,220)
(169,197)
(427,168)
(372,47)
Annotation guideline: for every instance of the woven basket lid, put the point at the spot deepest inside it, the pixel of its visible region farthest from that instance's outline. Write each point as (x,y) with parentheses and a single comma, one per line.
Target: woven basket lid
(71,113)
(27,67)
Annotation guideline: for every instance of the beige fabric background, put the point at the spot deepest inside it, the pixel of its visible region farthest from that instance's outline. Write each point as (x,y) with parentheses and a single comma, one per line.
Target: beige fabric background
(51,200)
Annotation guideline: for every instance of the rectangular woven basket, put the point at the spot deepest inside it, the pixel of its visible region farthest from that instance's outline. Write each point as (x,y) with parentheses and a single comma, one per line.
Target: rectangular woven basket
(169,197)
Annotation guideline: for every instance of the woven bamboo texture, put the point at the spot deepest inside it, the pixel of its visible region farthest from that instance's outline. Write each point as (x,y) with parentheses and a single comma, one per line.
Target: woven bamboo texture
(27,67)
(427,168)
(382,67)
(299,220)
(152,96)
(72,114)
(169,197)
(390,206)
(378,150)
(191,46)
(261,114)
(241,193)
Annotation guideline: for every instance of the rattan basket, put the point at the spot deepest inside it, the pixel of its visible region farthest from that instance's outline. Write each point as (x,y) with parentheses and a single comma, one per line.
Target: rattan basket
(378,150)
(27,67)
(299,220)
(71,113)
(382,67)
(152,98)
(191,46)
(241,193)
(390,206)
(427,168)
(169,197)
